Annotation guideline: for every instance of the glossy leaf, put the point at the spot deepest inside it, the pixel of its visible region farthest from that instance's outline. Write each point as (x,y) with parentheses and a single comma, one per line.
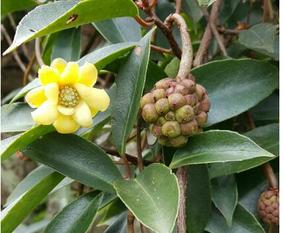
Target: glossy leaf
(218,146)
(32,179)
(31,85)
(79,215)
(67,45)
(76,158)
(61,15)
(243,222)
(262,38)
(198,202)
(205,2)
(10,6)
(16,117)
(225,196)
(267,137)
(17,211)
(119,225)
(130,83)
(107,54)
(11,145)
(117,30)
(234,86)
(152,197)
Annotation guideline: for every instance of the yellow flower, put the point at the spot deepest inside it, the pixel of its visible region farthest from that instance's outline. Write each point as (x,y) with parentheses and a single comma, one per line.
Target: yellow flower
(66,97)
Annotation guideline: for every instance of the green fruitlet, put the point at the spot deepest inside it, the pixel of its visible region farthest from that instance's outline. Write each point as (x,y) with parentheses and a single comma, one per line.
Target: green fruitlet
(175,110)
(268,206)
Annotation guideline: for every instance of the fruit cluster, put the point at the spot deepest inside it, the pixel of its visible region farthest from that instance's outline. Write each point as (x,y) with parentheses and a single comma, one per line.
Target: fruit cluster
(268,206)
(175,110)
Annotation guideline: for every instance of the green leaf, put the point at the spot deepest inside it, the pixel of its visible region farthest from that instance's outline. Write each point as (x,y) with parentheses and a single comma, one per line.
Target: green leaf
(124,29)
(31,85)
(107,54)
(76,158)
(225,196)
(10,6)
(234,86)
(262,38)
(205,2)
(11,145)
(152,197)
(61,15)
(218,146)
(77,216)
(16,117)
(119,225)
(198,202)
(15,213)
(154,74)
(67,45)
(130,83)
(243,222)
(192,9)
(32,179)
(266,137)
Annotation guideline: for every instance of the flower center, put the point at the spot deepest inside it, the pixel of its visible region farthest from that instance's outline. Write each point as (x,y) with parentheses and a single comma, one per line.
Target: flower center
(68,96)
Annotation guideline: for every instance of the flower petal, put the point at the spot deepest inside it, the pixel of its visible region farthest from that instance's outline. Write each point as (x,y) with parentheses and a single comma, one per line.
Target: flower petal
(88,74)
(48,75)
(59,64)
(65,124)
(46,114)
(52,92)
(35,97)
(83,115)
(65,111)
(96,98)
(70,74)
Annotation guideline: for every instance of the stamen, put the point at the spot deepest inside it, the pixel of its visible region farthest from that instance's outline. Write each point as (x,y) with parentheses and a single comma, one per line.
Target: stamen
(68,96)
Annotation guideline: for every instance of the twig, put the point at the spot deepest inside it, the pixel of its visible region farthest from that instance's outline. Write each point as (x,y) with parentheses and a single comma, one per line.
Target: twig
(161,50)
(215,32)
(207,36)
(178,6)
(228,31)
(130,222)
(142,22)
(268,12)
(138,144)
(37,52)
(182,180)
(15,53)
(187,52)
(29,68)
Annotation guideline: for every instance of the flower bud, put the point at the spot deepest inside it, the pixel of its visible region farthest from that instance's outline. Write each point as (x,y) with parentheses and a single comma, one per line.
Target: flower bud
(200,91)
(189,85)
(204,105)
(190,128)
(191,99)
(171,129)
(161,121)
(191,77)
(147,99)
(164,83)
(178,141)
(162,106)
(170,91)
(201,118)
(170,116)
(156,130)
(163,141)
(184,114)
(176,101)
(149,113)
(181,89)
(158,94)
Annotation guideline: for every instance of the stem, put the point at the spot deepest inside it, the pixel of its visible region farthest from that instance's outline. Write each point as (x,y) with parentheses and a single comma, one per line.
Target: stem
(182,180)
(207,36)
(142,22)
(178,6)
(161,50)
(28,70)
(138,144)
(187,52)
(38,53)
(130,222)
(270,176)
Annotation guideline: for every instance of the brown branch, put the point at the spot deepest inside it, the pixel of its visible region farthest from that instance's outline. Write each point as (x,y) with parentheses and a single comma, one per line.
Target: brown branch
(178,6)
(138,144)
(37,52)
(28,70)
(187,52)
(228,31)
(130,222)
(268,13)
(15,53)
(182,180)
(143,23)
(207,36)
(161,50)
